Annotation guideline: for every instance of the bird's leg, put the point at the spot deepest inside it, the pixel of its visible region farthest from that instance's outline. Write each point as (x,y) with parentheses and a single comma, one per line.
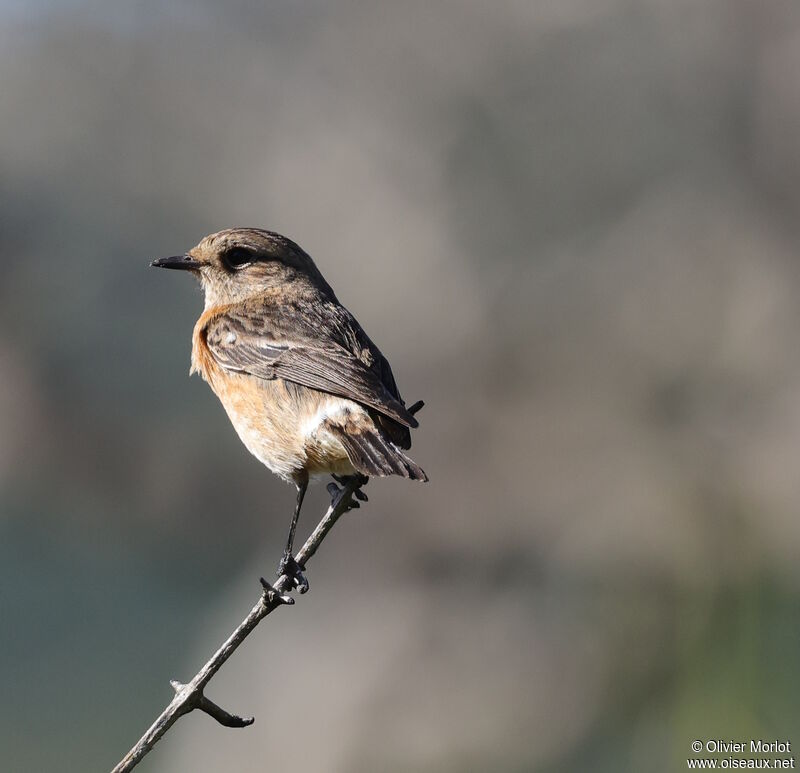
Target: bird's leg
(343,480)
(288,565)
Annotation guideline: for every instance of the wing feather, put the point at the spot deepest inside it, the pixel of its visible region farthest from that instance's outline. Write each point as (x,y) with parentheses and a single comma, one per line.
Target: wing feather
(320,346)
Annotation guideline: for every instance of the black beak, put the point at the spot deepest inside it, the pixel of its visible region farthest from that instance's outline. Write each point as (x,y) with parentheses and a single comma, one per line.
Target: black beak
(185,262)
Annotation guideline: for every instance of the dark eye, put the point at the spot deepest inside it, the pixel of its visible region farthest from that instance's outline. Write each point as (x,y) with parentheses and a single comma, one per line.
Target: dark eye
(237,257)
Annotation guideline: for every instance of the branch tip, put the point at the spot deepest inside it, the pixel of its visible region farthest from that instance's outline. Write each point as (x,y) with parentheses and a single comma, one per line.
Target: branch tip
(222,716)
(416,407)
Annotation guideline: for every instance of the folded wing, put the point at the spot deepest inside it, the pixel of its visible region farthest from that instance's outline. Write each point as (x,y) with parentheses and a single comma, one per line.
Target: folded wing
(319,345)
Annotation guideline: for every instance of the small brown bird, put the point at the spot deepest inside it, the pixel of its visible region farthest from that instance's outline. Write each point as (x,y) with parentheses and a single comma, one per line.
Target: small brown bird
(305,388)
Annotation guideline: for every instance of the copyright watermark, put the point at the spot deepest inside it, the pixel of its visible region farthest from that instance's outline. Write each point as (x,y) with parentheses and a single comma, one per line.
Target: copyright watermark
(750,754)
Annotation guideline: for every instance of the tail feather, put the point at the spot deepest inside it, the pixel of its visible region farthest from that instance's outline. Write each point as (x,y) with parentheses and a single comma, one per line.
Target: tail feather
(373,454)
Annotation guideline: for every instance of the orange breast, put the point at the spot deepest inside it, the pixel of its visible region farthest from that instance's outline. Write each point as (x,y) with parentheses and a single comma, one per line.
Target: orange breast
(275,421)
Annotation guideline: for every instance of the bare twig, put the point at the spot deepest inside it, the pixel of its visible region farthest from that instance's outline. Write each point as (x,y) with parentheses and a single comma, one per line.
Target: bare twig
(189,697)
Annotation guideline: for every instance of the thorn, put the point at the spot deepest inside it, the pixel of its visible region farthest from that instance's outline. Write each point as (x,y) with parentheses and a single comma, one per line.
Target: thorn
(273,595)
(222,716)
(176,685)
(416,407)
(333,489)
(353,505)
(359,494)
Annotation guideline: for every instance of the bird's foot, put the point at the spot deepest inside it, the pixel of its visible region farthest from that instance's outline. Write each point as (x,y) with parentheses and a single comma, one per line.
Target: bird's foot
(293,571)
(345,480)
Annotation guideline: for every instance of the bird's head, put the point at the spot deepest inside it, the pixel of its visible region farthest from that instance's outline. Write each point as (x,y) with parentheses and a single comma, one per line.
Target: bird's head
(240,263)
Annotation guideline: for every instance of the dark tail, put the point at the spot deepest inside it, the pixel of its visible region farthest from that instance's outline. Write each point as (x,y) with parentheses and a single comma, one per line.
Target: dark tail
(372,454)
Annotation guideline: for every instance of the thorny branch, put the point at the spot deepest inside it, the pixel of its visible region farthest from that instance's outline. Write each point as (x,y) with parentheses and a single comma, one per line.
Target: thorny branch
(189,697)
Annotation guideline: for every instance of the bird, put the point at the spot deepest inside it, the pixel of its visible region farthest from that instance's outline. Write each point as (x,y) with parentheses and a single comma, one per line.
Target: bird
(307,391)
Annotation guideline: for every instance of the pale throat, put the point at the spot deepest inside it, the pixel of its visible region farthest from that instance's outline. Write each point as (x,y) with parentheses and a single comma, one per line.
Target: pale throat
(222,290)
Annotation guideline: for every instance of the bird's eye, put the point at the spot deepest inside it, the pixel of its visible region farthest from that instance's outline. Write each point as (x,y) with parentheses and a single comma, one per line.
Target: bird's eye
(237,257)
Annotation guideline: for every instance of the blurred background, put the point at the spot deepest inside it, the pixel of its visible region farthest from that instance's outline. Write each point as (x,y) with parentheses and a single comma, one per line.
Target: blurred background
(571,225)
